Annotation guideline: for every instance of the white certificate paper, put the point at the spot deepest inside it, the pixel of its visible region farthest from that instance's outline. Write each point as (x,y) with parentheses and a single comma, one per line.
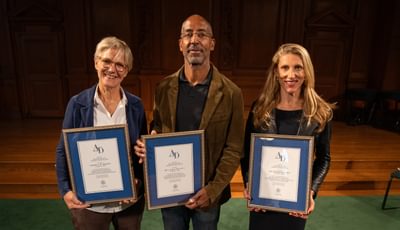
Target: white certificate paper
(101,170)
(174,170)
(279,173)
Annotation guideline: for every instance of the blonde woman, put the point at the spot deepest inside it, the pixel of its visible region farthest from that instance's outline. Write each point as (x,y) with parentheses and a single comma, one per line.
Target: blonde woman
(289,104)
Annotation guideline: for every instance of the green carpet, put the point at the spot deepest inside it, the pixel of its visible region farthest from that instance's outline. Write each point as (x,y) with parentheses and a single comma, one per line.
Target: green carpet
(339,213)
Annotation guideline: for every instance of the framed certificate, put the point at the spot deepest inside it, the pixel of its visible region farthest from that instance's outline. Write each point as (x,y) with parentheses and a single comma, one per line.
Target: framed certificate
(174,167)
(280,172)
(99,163)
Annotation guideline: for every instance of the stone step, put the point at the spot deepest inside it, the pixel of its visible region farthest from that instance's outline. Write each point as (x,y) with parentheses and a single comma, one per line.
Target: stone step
(390,164)
(39,177)
(344,179)
(27,173)
(29,191)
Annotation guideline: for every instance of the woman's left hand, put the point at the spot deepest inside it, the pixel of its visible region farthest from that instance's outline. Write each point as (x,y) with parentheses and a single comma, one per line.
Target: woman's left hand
(311,207)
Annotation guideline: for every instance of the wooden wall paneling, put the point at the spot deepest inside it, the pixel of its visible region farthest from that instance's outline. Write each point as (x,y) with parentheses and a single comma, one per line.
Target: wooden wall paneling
(75,38)
(75,83)
(105,19)
(9,99)
(251,87)
(35,4)
(148,84)
(39,69)
(45,98)
(366,25)
(247,32)
(327,57)
(109,20)
(146,91)
(346,7)
(225,21)
(380,47)
(391,37)
(292,21)
(78,61)
(257,33)
(392,78)
(329,39)
(146,21)
(171,22)
(132,84)
(37,41)
(258,36)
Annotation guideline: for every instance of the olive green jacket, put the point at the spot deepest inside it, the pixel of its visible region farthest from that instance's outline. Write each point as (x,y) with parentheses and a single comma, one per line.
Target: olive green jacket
(223,125)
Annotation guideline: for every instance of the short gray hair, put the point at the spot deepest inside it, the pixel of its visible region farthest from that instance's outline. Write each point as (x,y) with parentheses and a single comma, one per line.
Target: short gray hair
(115,43)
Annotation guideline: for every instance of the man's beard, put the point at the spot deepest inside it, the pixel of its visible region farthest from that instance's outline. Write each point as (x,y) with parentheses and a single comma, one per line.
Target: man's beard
(196,60)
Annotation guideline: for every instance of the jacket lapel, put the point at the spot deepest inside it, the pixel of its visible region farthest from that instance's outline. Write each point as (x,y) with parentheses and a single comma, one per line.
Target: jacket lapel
(172,98)
(86,110)
(213,99)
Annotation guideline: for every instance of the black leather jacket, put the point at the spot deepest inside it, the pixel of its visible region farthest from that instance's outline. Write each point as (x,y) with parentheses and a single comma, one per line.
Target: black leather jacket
(321,141)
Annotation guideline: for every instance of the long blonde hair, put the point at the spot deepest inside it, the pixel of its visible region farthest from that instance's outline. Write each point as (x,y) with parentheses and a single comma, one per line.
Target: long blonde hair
(314,109)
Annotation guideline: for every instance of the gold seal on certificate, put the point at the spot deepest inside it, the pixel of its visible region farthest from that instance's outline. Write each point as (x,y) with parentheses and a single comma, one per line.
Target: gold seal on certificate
(174,167)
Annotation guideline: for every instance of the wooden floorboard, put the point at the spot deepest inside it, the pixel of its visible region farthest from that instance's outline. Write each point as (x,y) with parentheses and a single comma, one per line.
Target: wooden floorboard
(362,159)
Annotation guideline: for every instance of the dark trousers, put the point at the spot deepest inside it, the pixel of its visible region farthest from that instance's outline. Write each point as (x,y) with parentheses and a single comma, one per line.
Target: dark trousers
(178,218)
(275,221)
(128,219)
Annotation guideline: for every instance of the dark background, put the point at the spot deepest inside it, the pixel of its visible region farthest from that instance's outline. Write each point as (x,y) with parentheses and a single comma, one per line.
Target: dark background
(48,45)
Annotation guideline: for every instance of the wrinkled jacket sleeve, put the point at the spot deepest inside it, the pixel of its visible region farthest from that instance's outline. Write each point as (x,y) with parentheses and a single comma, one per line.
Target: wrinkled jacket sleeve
(138,123)
(244,162)
(61,160)
(232,150)
(322,157)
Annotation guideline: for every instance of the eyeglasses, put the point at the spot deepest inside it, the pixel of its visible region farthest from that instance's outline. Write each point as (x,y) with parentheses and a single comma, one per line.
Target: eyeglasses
(200,35)
(107,63)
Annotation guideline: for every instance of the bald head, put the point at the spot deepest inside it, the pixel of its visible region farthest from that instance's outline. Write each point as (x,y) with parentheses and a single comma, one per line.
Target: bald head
(197,20)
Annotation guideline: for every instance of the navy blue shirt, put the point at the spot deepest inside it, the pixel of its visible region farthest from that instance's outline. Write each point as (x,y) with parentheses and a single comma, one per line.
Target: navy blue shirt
(191,101)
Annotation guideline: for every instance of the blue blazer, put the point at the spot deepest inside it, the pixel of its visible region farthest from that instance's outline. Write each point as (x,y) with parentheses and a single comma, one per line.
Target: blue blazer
(79,113)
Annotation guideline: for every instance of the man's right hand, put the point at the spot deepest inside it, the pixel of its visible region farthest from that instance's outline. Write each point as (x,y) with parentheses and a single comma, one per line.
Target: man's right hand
(72,201)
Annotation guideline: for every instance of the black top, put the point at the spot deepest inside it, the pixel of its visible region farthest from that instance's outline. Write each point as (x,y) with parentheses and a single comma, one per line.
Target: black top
(288,122)
(191,101)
